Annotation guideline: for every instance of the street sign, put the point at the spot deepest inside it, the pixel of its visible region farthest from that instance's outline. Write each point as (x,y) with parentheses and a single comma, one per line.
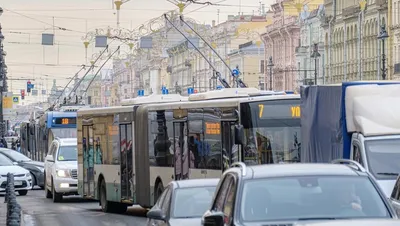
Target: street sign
(16,100)
(235,72)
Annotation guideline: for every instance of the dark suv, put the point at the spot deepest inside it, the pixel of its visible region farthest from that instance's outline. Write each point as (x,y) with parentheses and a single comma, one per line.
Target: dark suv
(284,194)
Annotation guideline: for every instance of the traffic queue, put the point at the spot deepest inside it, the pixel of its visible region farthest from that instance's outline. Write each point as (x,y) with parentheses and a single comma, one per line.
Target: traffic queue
(238,157)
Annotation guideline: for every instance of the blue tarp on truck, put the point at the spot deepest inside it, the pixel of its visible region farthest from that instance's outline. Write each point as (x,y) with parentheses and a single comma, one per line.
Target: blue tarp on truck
(323,121)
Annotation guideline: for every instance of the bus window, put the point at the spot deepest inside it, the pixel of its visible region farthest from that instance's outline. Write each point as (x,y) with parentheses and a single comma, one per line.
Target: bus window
(211,155)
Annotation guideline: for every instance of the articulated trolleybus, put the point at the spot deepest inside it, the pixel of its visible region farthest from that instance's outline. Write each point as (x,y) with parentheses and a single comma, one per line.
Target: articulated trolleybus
(106,139)
(197,138)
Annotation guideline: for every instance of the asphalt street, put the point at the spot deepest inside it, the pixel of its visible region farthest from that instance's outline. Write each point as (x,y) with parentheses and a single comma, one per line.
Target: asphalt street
(74,211)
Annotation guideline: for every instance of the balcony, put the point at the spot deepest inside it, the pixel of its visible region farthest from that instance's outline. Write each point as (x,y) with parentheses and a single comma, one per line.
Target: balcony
(351,11)
(381,3)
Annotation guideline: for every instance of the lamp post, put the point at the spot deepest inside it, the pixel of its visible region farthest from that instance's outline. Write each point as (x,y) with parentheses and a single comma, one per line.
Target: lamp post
(315,54)
(213,81)
(382,36)
(270,65)
(3,73)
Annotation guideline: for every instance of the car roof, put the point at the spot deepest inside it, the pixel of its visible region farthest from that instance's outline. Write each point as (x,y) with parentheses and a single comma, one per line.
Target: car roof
(6,150)
(301,169)
(192,183)
(354,222)
(67,141)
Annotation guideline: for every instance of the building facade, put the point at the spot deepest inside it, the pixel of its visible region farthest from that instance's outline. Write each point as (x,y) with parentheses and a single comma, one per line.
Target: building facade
(249,58)
(281,39)
(311,67)
(352,49)
(395,14)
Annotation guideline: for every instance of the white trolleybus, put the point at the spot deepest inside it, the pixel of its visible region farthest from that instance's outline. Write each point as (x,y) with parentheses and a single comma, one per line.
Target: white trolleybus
(148,145)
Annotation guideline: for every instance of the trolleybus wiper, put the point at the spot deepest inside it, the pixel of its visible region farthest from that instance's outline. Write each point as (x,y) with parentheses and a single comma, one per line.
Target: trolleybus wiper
(221,80)
(239,82)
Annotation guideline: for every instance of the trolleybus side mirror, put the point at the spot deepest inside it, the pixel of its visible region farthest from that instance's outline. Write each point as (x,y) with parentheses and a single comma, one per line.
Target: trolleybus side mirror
(239,134)
(156,214)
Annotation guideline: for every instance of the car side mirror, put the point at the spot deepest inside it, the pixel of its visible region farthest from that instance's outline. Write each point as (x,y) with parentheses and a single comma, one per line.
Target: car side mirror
(49,158)
(239,134)
(214,219)
(156,214)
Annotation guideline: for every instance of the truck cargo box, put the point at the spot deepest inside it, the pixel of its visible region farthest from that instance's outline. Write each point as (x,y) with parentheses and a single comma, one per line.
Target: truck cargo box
(323,121)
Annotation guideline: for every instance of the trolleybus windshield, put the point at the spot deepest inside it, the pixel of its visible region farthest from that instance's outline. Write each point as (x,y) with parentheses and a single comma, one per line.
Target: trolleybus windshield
(272,131)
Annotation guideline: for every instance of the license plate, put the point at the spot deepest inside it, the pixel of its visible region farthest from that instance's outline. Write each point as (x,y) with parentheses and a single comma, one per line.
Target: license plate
(17,183)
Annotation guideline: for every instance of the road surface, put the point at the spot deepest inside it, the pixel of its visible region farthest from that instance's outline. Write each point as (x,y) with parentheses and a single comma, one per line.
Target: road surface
(74,211)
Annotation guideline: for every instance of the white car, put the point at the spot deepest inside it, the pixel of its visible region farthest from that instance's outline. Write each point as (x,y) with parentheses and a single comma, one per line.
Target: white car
(22,177)
(61,169)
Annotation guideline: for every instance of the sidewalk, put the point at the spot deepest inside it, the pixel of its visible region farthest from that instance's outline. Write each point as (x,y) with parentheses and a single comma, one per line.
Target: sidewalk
(26,220)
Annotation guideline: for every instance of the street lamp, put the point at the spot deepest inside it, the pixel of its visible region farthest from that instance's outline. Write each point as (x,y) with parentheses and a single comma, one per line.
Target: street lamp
(382,36)
(270,65)
(315,54)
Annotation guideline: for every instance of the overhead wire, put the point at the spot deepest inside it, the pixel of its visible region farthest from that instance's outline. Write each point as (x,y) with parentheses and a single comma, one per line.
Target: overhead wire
(43,22)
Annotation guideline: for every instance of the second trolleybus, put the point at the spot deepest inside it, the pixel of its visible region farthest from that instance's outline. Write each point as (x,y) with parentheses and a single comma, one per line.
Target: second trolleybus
(135,151)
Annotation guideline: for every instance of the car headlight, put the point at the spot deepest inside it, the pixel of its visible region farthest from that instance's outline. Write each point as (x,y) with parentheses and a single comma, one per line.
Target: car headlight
(28,175)
(62,173)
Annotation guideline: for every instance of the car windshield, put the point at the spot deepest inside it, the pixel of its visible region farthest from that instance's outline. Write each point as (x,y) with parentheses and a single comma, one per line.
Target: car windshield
(67,153)
(191,202)
(4,161)
(16,156)
(308,198)
(384,157)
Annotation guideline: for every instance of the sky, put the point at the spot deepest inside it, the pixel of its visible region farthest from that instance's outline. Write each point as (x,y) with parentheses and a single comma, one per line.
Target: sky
(24,21)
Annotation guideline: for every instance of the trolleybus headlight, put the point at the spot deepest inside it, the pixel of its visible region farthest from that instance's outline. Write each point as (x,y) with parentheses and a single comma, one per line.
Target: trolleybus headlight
(62,173)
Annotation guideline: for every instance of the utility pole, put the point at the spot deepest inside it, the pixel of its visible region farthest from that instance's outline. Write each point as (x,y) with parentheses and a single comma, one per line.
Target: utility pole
(3,77)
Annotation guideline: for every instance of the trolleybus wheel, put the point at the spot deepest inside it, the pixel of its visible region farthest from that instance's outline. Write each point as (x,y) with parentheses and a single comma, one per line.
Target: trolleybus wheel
(105,205)
(158,191)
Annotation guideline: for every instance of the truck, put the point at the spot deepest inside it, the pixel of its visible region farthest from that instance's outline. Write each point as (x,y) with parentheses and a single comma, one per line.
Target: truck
(354,120)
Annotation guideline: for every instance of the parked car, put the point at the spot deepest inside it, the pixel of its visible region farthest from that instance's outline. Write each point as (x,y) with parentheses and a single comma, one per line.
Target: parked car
(22,177)
(369,222)
(35,168)
(296,193)
(61,169)
(182,203)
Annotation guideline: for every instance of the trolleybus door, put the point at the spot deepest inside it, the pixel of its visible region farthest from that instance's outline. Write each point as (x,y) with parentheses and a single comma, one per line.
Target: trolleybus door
(230,151)
(88,160)
(126,162)
(181,151)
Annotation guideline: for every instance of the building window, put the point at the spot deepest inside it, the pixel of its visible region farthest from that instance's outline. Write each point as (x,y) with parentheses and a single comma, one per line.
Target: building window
(96,93)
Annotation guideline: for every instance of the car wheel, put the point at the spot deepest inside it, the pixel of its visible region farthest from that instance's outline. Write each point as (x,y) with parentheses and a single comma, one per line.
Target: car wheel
(23,192)
(46,190)
(33,180)
(57,197)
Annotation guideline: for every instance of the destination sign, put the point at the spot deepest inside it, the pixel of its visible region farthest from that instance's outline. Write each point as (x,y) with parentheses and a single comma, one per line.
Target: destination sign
(213,128)
(64,121)
(278,111)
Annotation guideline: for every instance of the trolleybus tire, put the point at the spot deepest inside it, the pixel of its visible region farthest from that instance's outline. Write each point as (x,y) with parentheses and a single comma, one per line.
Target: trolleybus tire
(107,206)
(158,190)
